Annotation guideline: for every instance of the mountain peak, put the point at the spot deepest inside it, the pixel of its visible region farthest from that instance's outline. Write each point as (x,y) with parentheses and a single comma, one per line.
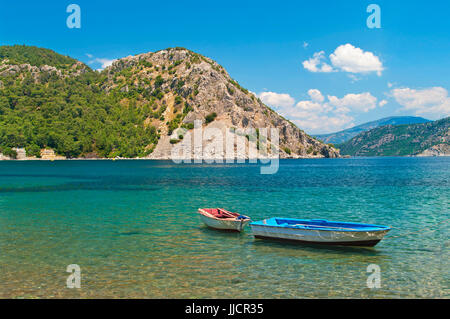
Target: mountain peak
(35,56)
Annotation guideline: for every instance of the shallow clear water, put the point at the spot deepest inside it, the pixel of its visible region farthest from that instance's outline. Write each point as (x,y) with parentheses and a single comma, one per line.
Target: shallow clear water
(132,227)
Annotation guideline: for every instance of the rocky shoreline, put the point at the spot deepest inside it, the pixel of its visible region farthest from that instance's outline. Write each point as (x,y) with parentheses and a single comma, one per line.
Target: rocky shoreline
(436,150)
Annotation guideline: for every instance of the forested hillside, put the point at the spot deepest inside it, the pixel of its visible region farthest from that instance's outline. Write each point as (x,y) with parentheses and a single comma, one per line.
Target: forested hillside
(399,140)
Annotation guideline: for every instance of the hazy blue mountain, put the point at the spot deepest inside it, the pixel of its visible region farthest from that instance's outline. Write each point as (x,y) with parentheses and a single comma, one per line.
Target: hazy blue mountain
(345,135)
(425,139)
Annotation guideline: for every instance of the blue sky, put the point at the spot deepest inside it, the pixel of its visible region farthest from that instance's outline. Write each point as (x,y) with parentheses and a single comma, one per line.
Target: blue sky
(353,74)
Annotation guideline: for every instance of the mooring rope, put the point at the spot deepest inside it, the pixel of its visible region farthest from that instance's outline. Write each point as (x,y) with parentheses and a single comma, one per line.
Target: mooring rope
(420,231)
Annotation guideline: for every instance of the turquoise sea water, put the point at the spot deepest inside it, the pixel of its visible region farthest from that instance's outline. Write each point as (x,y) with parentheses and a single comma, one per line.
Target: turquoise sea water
(132,227)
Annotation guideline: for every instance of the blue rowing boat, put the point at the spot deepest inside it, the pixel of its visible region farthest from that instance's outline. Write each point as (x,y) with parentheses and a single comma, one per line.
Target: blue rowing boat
(319,231)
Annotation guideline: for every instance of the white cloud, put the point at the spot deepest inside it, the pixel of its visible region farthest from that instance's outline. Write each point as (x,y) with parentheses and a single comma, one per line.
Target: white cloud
(316,95)
(305,44)
(104,62)
(322,115)
(318,117)
(354,60)
(353,77)
(317,123)
(358,102)
(347,58)
(382,103)
(432,102)
(316,63)
(276,99)
(310,106)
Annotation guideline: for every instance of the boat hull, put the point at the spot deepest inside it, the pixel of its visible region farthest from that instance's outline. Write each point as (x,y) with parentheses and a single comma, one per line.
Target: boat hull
(323,237)
(230,224)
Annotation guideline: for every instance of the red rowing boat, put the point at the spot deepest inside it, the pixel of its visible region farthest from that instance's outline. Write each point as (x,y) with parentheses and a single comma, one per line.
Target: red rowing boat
(220,218)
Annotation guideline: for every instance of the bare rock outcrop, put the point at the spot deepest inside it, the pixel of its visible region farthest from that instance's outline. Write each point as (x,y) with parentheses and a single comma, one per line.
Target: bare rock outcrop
(437,150)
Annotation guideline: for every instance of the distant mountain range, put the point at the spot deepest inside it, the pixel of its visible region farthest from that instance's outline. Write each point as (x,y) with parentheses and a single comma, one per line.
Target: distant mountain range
(425,139)
(345,135)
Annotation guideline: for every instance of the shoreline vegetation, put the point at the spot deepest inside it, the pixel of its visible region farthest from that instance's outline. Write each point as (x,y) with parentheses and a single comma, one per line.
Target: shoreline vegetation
(3,158)
(31,159)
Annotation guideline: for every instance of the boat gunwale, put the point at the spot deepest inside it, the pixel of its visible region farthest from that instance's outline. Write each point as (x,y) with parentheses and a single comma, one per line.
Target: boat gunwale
(201,211)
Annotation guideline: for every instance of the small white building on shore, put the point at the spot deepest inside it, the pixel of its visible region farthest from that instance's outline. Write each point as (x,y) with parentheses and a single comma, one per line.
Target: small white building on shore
(21,153)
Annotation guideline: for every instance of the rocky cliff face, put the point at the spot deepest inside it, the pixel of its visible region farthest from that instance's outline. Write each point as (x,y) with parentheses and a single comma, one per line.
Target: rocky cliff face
(181,86)
(437,150)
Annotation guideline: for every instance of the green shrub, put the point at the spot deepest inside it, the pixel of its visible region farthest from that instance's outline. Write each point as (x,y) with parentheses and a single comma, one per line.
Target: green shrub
(187,108)
(173,125)
(160,95)
(180,84)
(159,81)
(178,99)
(147,64)
(188,126)
(195,59)
(8,151)
(210,117)
(33,150)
